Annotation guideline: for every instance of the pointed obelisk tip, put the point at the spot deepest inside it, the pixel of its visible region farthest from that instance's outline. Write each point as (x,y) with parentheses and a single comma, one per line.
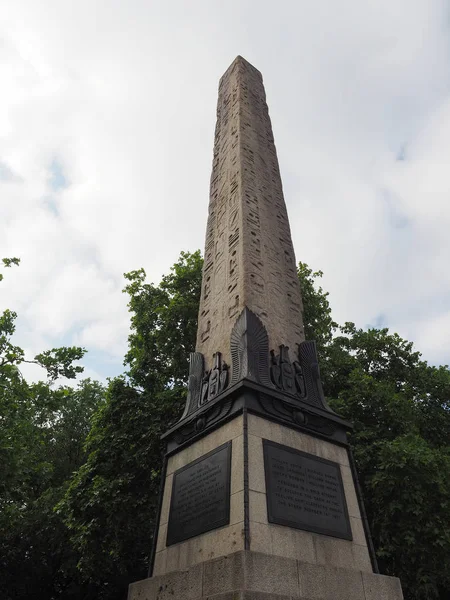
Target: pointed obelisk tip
(240,60)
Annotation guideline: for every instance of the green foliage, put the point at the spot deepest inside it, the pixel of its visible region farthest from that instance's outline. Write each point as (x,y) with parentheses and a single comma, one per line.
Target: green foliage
(111,504)
(163,323)
(42,437)
(59,362)
(9,262)
(403,463)
(42,431)
(399,406)
(409,499)
(317,319)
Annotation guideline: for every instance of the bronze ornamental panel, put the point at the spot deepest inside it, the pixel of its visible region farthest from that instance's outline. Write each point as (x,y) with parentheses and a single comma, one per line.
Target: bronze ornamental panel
(200,496)
(305,491)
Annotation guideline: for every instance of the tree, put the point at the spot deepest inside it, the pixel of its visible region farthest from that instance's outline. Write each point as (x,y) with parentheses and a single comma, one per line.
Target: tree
(42,430)
(46,447)
(110,507)
(163,324)
(318,322)
(399,406)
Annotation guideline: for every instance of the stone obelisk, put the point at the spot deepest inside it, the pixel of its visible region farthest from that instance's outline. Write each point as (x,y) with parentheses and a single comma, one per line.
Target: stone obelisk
(259,494)
(249,257)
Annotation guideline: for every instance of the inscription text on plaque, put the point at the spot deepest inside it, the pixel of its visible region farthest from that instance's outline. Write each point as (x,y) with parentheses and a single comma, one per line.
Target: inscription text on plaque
(305,491)
(200,496)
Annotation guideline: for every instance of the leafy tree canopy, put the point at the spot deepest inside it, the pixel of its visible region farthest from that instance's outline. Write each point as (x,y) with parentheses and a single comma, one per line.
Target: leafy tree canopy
(42,432)
(111,504)
(399,406)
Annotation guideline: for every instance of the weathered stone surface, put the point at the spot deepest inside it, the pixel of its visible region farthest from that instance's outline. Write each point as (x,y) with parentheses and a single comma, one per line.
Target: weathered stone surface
(359,537)
(258,507)
(237,507)
(327,583)
(271,574)
(341,553)
(249,575)
(293,543)
(260,538)
(381,587)
(220,541)
(301,545)
(160,563)
(228,596)
(237,465)
(143,590)
(264,537)
(265,596)
(224,574)
(249,257)
(164,517)
(256,475)
(182,584)
(162,535)
(350,492)
(236,595)
(361,558)
(216,438)
(296,439)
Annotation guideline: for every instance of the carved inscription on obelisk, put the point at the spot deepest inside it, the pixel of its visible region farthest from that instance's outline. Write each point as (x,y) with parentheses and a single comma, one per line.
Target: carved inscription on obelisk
(249,258)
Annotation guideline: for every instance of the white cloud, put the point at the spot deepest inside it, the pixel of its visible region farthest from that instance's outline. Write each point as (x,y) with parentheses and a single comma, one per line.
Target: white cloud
(121,97)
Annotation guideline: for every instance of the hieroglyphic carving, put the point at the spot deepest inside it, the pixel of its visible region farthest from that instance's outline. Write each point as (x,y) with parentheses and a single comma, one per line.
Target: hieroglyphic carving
(268,242)
(249,258)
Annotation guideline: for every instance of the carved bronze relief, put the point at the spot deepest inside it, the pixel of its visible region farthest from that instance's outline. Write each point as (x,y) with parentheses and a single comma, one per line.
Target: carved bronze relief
(286,376)
(204,386)
(214,380)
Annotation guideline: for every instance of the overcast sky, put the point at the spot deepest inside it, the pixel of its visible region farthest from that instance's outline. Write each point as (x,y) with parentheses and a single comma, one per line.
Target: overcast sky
(107,115)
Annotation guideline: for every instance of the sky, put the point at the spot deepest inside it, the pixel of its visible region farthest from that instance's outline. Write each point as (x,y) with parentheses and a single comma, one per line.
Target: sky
(107,116)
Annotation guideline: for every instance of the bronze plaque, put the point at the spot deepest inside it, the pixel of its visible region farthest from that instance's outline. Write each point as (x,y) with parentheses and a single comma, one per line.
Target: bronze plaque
(200,496)
(305,491)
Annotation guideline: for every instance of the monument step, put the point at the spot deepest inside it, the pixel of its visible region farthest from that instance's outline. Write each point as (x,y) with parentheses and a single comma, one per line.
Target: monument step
(254,576)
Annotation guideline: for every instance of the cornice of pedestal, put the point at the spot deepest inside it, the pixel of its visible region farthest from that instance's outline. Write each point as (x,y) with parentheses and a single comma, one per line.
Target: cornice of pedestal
(262,382)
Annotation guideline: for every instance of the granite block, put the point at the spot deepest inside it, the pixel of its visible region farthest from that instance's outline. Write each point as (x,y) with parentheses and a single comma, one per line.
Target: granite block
(327,583)
(271,574)
(224,574)
(381,587)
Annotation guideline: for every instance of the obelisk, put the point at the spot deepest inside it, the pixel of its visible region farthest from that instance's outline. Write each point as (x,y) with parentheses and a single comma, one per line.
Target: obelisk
(249,257)
(259,496)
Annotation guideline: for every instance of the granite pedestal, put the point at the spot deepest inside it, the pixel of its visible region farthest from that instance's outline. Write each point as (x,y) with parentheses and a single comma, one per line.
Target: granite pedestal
(250,557)
(256,576)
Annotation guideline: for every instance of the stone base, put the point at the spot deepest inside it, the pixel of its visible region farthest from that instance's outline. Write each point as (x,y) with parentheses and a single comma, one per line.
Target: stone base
(255,576)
